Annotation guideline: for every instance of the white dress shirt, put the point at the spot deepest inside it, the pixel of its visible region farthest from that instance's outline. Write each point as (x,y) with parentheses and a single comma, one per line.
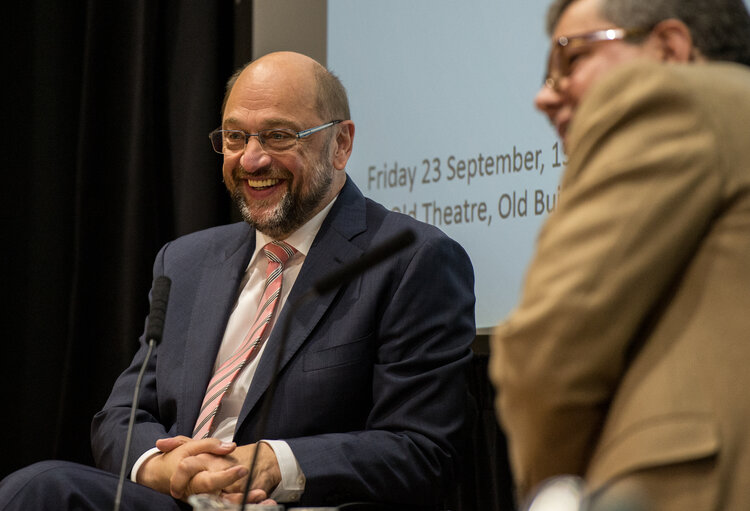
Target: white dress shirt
(243,314)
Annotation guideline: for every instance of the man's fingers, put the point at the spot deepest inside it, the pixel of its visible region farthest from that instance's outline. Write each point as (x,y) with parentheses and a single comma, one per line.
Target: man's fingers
(193,447)
(207,445)
(214,481)
(213,446)
(184,472)
(169,444)
(260,483)
(255,496)
(258,496)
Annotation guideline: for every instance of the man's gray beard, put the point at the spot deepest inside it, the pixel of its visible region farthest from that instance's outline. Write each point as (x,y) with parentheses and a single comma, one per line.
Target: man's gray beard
(293,210)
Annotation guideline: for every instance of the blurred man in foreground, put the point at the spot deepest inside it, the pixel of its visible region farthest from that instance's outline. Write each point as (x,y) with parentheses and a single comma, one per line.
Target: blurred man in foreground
(625,360)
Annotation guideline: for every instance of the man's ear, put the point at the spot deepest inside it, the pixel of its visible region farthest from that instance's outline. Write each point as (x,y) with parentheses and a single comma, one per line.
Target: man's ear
(343,144)
(672,42)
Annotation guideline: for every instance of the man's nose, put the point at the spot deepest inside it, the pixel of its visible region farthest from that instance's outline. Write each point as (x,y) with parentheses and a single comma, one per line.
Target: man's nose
(254,156)
(547,100)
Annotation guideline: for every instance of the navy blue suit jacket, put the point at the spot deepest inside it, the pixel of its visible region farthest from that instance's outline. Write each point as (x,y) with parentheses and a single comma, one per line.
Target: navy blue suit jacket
(371,392)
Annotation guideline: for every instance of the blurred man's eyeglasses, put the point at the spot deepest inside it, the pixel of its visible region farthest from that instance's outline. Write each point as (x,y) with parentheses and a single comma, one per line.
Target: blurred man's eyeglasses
(274,139)
(566,49)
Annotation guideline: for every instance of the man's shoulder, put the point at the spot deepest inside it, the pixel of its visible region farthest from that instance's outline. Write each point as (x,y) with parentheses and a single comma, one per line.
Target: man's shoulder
(713,76)
(395,220)
(384,224)
(431,246)
(643,78)
(358,216)
(218,234)
(206,244)
(687,95)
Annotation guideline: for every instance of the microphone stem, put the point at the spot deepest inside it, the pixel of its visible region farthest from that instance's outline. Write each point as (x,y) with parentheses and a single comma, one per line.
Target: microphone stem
(123,468)
(263,418)
(325,285)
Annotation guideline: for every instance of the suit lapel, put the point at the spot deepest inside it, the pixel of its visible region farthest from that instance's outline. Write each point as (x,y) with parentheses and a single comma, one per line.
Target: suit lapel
(215,297)
(331,249)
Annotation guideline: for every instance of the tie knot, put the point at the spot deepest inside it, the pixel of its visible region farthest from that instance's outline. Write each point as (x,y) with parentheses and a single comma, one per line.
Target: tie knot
(279,251)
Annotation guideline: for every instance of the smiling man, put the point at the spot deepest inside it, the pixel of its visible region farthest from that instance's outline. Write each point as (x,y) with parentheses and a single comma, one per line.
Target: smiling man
(370,399)
(277,189)
(624,362)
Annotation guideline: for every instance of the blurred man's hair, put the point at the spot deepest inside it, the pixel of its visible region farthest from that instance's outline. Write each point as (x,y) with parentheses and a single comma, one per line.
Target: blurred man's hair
(720,28)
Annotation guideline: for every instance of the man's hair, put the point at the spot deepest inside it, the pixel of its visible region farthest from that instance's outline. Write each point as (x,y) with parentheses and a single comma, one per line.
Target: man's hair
(720,28)
(332,103)
(331,100)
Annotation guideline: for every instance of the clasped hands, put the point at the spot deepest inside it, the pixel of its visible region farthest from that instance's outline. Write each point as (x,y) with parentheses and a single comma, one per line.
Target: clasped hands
(186,466)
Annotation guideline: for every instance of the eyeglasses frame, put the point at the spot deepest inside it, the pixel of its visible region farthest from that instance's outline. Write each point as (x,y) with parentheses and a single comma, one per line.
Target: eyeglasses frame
(552,80)
(298,135)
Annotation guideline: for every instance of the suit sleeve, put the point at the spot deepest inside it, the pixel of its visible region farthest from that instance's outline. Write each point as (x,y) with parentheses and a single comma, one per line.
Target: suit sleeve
(410,446)
(639,193)
(109,426)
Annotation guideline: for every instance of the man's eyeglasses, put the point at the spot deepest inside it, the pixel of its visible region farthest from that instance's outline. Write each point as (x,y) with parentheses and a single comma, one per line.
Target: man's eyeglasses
(566,49)
(274,139)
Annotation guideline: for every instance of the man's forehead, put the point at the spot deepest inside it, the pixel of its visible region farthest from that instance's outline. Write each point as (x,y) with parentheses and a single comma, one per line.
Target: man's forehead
(282,69)
(273,94)
(278,80)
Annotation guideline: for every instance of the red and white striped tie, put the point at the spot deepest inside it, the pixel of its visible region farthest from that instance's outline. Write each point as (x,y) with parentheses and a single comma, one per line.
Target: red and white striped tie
(277,253)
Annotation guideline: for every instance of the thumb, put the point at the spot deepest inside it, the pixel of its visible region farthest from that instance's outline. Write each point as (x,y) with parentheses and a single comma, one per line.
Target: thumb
(169,444)
(209,445)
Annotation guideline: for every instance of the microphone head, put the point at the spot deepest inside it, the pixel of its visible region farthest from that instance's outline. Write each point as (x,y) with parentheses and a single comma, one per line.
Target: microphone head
(159,298)
(372,257)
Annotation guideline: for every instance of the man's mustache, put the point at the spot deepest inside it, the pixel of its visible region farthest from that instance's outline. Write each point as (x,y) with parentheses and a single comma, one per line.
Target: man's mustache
(239,173)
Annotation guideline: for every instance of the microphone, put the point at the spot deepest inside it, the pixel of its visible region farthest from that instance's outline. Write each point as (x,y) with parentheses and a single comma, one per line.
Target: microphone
(158,311)
(367,261)
(346,273)
(154,331)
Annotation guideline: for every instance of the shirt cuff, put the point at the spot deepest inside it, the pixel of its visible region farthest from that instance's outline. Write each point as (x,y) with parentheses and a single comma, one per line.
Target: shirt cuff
(292,484)
(140,461)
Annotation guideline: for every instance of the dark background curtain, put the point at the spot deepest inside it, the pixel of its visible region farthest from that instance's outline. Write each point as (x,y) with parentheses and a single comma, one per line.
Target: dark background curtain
(108,109)
(110,106)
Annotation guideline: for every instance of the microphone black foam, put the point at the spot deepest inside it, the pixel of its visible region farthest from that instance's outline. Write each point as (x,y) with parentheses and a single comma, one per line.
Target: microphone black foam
(370,259)
(159,298)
